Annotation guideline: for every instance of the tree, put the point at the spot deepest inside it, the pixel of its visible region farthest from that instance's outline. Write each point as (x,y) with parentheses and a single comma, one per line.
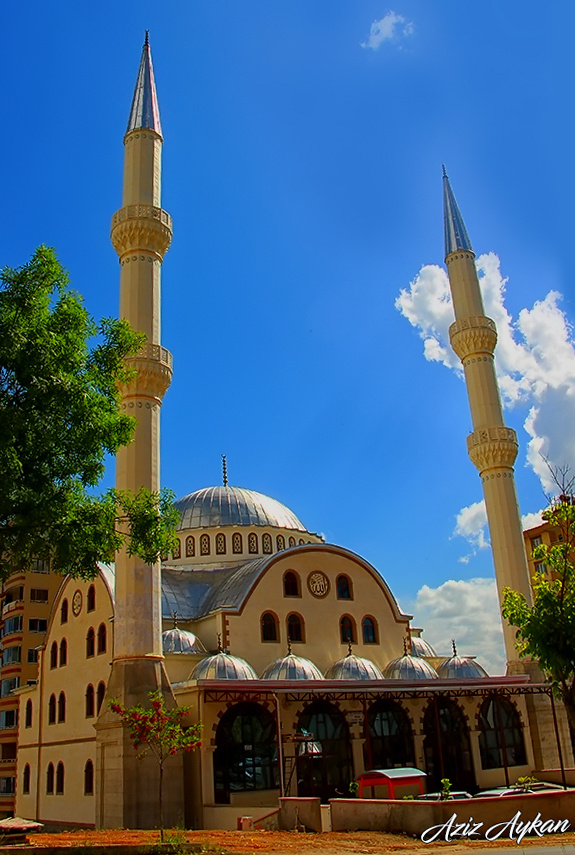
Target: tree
(159,731)
(546,630)
(59,418)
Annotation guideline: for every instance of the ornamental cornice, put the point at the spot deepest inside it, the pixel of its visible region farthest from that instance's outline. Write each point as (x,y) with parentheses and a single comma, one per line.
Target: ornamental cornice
(459,253)
(472,335)
(491,448)
(154,368)
(141,228)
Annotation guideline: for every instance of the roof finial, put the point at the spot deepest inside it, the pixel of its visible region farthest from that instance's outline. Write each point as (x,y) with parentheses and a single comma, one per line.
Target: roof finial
(454,647)
(175,616)
(289,647)
(225,470)
(147,39)
(444,170)
(349,650)
(220,648)
(405,651)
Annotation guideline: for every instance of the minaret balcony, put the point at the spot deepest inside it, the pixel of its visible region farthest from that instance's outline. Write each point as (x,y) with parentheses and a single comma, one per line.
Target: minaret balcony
(153,373)
(141,228)
(493,448)
(474,335)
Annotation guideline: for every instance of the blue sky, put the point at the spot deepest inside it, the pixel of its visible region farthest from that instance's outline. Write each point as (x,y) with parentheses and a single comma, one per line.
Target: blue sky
(302,167)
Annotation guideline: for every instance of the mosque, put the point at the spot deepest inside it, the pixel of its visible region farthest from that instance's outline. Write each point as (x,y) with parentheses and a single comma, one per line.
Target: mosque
(292,652)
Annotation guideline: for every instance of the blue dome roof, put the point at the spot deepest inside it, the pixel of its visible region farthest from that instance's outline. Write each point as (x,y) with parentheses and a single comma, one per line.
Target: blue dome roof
(218,506)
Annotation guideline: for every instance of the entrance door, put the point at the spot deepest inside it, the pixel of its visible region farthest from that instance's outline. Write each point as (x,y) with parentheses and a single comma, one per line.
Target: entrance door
(324,764)
(446,746)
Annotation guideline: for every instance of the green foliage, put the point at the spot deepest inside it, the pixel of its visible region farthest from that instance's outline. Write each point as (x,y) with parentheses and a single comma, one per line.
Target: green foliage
(59,418)
(524,783)
(445,788)
(159,731)
(353,787)
(546,629)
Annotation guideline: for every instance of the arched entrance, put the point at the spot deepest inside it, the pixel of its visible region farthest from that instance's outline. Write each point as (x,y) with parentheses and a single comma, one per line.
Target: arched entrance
(246,752)
(389,740)
(324,764)
(446,746)
(501,741)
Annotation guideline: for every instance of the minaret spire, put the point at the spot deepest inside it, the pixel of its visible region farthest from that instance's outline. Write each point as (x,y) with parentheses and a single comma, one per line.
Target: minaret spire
(492,446)
(145,113)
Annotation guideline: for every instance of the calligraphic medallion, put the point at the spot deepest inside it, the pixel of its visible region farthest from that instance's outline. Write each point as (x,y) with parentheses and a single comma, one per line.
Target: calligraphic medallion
(318,584)
(77,602)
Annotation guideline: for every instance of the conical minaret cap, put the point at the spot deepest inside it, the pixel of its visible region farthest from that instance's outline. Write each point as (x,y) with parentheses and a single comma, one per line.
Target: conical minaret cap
(145,112)
(456,236)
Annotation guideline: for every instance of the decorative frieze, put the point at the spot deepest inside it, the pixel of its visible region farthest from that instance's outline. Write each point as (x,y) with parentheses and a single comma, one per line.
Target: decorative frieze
(473,335)
(154,367)
(492,447)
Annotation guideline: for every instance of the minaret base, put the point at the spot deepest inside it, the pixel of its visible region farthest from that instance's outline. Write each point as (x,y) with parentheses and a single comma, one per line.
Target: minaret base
(128,790)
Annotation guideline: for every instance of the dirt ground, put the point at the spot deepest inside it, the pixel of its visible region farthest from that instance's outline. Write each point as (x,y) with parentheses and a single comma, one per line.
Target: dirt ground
(288,842)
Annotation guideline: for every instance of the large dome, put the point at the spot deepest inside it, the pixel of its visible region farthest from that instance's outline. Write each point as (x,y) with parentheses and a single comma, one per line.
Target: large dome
(219,506)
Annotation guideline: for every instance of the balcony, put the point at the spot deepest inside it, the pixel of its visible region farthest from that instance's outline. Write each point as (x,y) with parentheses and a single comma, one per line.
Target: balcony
(10,607)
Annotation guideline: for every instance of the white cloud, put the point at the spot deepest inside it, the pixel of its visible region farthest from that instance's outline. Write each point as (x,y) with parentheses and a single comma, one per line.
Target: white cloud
(534,358)
(468,611)
(391,27)
(470,523)
(531,520)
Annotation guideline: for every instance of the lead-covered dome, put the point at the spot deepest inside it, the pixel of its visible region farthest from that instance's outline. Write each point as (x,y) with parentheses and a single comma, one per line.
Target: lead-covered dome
(409,668)
(292,667)
(223,666)
(419,647)
(220,506)
(352,667)
(178,640)
(461,668)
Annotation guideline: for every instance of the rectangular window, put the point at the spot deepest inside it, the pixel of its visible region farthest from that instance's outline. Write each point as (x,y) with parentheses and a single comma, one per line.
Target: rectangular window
(12,624)
(536,541)
(37,625)
(8,719)
(11,654)
(7,786)
(540,567)
(7,685)
(32,655)
(40,565)
(38,595)
(14,595)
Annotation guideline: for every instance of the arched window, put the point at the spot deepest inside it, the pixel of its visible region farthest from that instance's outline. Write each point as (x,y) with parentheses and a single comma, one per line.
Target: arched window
(267,543)
(324,765)
(204,544)
(369,630)
(291,541)
(237,545)
(269,627)
(61,707)
(28,714)
(301,540)
(50,779)
(89,778)
(295,628)
(26,780)
(390,736)
(252,543)
(90,642)
(102,638)
(90,701)
(347,630)
(246,753)
(446,746)
(190,547)
(220,543)
(54,655)
(52,710)
(343,588)
(64,612)
(60,779)
(63,652)
(498,716)
(291,584)
(91,599)
(280,542)
(177,550)
(100,695)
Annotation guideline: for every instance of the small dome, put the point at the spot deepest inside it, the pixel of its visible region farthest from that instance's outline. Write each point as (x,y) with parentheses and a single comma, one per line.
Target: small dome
(217,506)
(292,667)
(178,640)
(409,668)
(419,647)
(222,666)
(353,667)
(461,668)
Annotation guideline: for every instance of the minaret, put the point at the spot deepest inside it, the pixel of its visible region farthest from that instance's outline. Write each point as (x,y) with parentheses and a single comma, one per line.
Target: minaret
(141,234)
(492,446)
